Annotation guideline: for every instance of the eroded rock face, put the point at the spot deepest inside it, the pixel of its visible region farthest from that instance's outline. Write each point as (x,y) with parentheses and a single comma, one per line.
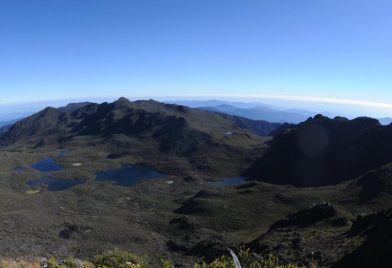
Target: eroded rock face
(307,217)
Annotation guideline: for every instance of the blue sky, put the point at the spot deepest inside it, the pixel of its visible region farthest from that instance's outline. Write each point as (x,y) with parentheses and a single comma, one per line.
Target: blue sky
(72,49)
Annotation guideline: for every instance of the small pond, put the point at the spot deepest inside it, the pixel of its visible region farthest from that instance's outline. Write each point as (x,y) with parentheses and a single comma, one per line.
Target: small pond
(64,153)
(128,175)
(227,182)
(47,165)
(53,184)
(19,169)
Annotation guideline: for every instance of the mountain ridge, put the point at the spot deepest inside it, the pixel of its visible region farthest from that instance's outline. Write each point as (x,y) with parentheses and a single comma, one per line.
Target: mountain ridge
(147,129)
(324,151)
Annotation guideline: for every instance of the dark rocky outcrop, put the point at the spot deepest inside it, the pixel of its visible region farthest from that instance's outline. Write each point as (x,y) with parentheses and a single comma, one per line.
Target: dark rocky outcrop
(306,236)
(375,183)
(306,217)
(71,230)
(183,223)
(375,251)
(203,243)
(324,151)
(195,204)
(191,206)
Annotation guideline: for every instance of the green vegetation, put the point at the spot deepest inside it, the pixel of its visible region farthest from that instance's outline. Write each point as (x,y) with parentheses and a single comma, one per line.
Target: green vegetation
(248,260)
(167,264)
(124,259)
(110,259)
(118,259)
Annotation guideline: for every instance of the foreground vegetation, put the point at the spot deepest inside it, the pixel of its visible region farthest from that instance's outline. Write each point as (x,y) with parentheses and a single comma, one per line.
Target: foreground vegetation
(124,259)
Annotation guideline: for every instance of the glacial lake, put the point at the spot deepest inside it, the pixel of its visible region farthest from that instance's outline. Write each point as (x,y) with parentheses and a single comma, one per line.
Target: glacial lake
(227,182)
(53,184)
(47,165)
(128,175)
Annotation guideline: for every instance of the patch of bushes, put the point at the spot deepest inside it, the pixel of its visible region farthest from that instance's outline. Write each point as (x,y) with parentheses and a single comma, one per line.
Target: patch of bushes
(110,259)
(124,259)
(248,260)
(118,259)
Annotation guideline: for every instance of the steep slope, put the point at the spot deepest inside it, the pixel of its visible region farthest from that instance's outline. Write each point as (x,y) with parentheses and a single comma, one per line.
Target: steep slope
(4,129)
(323,151)
(46,123)
(7,123)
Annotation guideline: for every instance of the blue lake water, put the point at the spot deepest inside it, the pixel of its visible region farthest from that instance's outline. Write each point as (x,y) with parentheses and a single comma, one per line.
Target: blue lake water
(227,182)
(47,165)
(128,175)
(64,153)
(53,184)
(19,169)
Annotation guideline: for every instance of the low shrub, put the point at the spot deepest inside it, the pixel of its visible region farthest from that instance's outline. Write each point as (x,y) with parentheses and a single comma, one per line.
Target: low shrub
(123,259)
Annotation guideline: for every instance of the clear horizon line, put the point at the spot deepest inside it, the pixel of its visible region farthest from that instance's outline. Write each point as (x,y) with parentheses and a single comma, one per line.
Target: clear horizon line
(314,99)
(245,97)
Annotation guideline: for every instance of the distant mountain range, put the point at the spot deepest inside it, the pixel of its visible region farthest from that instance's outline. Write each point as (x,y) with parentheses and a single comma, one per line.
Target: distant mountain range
(260,111)
(254,111)
(250,110)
